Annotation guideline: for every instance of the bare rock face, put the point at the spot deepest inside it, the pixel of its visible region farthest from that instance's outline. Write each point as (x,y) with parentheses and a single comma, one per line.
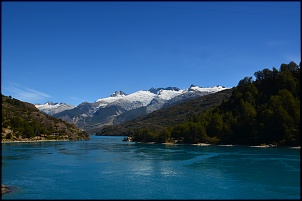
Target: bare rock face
(4,189)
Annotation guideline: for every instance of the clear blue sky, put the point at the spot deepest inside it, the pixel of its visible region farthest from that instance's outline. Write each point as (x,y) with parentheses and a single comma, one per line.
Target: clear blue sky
(81,51)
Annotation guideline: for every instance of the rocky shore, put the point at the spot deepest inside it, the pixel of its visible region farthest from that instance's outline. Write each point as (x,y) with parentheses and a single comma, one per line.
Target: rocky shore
(4,189)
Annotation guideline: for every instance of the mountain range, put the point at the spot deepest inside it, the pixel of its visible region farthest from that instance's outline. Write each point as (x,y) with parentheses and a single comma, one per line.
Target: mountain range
(169,116)
(51,108)
(121,107)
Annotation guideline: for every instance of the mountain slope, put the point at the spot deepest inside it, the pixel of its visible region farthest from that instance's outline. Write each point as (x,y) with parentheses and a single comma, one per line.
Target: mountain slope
(121,107)
(51,108)
(167,116)
(23,121)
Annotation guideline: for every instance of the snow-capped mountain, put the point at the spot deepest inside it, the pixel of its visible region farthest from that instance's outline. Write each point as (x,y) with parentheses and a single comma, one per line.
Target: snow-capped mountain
(121,107)
(53,108)
(144,97)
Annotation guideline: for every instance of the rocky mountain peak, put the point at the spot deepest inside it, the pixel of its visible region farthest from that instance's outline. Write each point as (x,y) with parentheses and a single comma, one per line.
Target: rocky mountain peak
(156,90)
(49,103)
(192,86)
(118,93)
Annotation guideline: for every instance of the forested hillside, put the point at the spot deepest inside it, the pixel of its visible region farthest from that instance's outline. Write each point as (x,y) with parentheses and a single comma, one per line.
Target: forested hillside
(261,111)
(23,121)
(168,116)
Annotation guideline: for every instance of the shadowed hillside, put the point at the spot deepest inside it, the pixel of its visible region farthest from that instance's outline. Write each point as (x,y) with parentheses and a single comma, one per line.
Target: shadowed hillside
(22,121)
(168,116)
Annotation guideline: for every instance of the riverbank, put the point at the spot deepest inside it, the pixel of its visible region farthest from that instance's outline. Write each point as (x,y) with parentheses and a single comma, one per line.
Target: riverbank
(202,144)
(259,146)
(4,189)
(270,146)
(225,145)
(26,141)
(295,147)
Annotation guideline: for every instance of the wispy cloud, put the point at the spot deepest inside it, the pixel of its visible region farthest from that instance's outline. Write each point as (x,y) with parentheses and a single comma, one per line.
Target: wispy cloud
(26,94)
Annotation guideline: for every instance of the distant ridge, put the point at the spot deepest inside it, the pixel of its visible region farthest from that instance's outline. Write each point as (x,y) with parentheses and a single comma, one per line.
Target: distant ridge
(120,107)
(168,116)
(51,108)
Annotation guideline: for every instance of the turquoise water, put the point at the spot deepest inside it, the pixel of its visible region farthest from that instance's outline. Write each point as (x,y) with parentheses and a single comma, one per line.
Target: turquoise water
(105,167)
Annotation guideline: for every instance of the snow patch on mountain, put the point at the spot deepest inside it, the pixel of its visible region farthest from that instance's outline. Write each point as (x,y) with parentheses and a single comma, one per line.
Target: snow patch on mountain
(168,94)
(206,89)
(163,93)
(144,97)
(118,93)
(53,108)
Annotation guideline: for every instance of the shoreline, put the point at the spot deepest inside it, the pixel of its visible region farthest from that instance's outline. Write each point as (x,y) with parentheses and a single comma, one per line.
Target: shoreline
(4,189)
(176,142)
(26,141)
(166,143)
(299,147)
(202,144)
(222,145)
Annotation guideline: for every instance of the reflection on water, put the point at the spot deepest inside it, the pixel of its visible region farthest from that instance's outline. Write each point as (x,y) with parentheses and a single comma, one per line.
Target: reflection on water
(108,168)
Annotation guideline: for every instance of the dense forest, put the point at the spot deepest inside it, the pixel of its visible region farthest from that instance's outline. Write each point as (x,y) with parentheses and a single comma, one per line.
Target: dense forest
(261,111)
(23,121)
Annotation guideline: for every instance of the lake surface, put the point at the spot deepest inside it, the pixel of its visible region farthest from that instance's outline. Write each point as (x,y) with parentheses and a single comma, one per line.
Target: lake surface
(106,167)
